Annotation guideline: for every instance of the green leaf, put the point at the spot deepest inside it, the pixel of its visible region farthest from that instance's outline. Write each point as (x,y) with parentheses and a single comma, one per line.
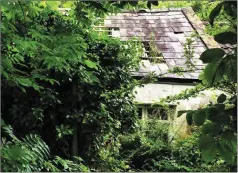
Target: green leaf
(221,98)
(149,4)
(214,72)
(207,145)
(189,118)
(53,4)
(65,165)
(215,12)
(222,119)
(212,113)
(199,117)
(24,82)
(91,64)
(230,67)
(225,151)
(216,114)
(213,54)
(220,107)
(2,123)
(211,128)
(15,152)
(229,136)
(209,155)
(226,37)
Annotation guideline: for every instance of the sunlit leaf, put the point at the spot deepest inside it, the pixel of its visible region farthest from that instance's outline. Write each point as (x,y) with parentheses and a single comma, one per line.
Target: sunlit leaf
(91,64)
(215,12)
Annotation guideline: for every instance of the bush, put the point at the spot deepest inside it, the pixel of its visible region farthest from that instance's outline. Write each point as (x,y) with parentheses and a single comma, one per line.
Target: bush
(150,150)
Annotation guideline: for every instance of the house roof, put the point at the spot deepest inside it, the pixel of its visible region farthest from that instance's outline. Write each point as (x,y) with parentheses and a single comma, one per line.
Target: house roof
(170,28)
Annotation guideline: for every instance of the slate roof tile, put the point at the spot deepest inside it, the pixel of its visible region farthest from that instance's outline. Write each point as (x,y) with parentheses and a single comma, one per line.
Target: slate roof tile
(182,29)
(169,55)
(163,67)
(197,62)
(170,62)
(155,68)
(180,61)
(160,14)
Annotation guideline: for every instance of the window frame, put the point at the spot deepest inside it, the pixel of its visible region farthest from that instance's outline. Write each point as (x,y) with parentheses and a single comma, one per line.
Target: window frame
(171,116)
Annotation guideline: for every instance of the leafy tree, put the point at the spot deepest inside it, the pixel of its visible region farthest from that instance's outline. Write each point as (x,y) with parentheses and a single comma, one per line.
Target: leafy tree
(64,82)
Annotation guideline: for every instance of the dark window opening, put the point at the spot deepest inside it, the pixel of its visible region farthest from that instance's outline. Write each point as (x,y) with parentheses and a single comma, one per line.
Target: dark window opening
(116,29)
(146,48)
(110,30)
(139,111)
(158,113)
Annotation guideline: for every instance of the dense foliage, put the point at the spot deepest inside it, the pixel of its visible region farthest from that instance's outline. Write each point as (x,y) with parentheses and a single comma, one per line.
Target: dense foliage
(67,95)
(151,149)
(218,121)
(220,129)
(62,81)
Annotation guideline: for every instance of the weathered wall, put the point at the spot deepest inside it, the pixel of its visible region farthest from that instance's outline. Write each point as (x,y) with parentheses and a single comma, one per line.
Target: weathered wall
(151,93)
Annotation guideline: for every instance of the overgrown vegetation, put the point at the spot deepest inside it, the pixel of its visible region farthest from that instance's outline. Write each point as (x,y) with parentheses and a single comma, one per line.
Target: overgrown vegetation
(218,121)
(151,149)
(59,76)
(67,95)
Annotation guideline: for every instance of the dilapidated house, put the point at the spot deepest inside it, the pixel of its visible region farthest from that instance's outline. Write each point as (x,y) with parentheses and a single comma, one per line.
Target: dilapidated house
(169,31)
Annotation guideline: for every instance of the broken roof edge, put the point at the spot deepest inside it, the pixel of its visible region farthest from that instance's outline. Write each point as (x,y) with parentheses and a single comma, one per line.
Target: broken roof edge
(196,22)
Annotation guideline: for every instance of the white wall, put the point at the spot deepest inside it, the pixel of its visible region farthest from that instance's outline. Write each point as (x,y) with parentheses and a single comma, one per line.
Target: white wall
(153,92)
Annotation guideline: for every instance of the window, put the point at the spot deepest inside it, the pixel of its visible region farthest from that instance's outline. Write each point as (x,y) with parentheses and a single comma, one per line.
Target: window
(114,32)
(159,113)
(165,113)
(146,49)
(139,111)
